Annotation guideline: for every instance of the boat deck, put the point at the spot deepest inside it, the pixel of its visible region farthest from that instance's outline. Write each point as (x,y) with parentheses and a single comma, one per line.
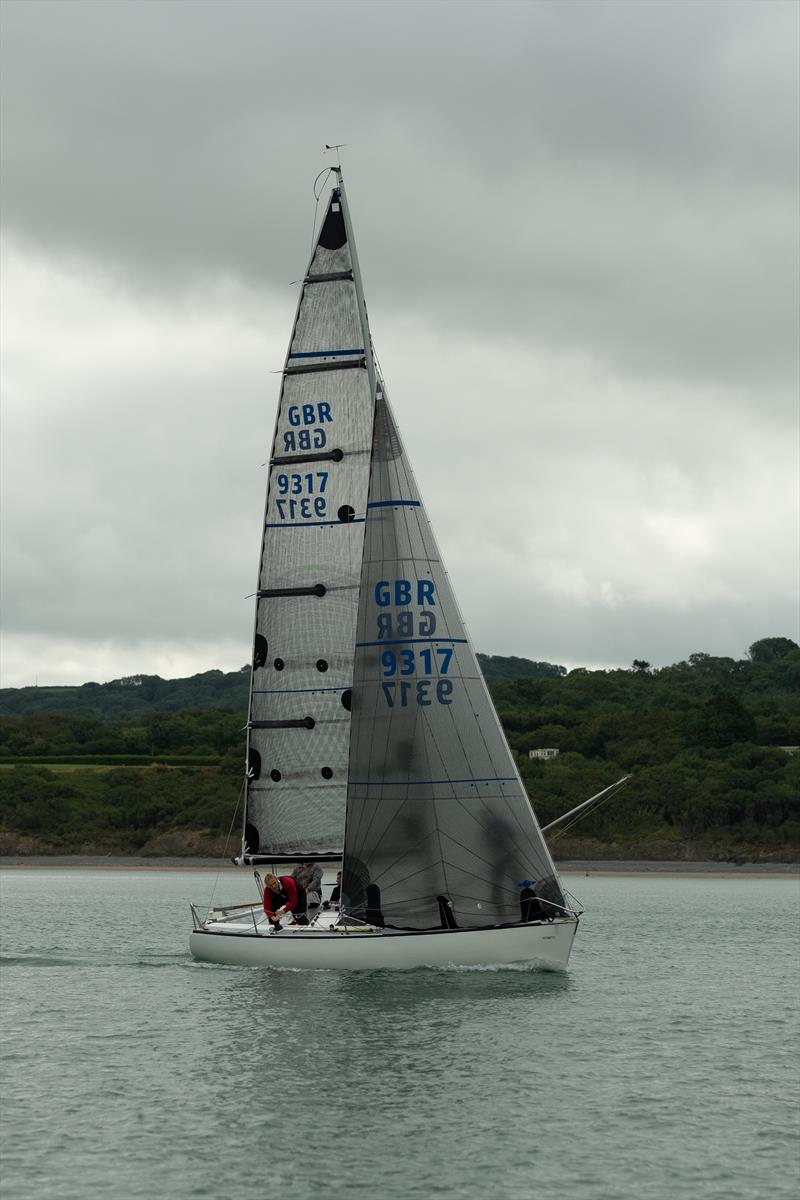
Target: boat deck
(250,919)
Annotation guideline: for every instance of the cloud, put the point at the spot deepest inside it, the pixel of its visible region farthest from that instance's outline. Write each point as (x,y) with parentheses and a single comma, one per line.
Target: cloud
(134,433)
(577,228)
(597,173)
(566,498)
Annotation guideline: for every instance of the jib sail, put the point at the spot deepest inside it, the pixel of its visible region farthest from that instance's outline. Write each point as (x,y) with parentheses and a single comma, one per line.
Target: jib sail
(440,832)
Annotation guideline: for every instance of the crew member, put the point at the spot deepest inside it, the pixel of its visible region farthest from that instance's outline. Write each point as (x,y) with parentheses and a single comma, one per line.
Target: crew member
(309,876)
(283,895)
(336,894)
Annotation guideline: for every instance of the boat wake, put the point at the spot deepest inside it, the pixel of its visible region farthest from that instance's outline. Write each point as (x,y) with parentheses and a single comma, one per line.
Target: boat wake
(85,960)
(40,960)
(482,968)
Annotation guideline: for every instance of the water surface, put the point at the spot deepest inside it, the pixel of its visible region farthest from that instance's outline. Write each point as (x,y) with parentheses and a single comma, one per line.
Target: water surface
(663,1065)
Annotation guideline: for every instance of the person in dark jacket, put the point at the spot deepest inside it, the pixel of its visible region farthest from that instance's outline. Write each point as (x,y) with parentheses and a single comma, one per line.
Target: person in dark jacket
(282,896)
(309,876)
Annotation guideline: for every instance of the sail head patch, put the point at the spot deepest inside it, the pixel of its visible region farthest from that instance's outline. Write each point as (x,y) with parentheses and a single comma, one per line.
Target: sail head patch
(333,234)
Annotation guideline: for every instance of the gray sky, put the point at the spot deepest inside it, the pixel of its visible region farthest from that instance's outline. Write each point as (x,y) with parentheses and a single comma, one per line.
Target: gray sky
(578,231)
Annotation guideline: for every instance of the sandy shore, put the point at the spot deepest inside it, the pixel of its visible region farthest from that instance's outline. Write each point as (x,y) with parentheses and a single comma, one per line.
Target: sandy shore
(119,863)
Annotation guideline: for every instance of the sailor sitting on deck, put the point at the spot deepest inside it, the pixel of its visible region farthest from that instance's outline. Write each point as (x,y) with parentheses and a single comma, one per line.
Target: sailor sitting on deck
(283,895)
(335,897)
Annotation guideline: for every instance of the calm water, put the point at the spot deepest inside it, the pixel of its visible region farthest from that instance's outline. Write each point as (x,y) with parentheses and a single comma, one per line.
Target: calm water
(663,1065)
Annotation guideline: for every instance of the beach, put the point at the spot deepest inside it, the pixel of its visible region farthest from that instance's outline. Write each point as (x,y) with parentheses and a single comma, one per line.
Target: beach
(111,862)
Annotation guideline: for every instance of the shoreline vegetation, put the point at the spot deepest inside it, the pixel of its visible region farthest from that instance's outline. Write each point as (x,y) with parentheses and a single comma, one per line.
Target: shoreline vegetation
(145,768)
(207,849)
(589,867)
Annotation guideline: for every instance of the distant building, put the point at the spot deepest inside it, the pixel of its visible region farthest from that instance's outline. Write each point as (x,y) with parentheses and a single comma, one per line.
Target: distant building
(547,752)
(789,749)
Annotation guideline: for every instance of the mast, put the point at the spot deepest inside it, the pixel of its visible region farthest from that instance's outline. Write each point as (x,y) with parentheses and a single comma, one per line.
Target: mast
(362,304)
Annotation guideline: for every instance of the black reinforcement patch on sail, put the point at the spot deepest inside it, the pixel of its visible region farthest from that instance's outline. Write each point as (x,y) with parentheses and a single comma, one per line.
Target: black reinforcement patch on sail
(251,838)
(253,763)
(260,650)
(333,233)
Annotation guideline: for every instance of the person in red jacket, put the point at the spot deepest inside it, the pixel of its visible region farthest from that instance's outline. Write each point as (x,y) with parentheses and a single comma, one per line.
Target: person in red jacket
(283,895)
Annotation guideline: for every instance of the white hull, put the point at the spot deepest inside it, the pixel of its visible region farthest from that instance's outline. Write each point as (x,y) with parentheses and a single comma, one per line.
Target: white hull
(546,945)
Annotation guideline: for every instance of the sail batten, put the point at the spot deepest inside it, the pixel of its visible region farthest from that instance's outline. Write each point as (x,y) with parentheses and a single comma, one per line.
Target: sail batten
(429,782)
(329,277)
(315,368)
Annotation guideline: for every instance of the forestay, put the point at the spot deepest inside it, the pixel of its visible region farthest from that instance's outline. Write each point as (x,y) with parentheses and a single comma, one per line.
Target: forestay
(440,831)
(310,565)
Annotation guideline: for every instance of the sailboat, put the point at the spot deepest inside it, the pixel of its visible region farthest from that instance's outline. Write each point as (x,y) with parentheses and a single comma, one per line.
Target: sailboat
(372,740)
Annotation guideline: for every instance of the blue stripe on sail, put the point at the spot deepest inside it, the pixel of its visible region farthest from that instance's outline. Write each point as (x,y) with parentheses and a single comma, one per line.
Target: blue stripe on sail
(394,504)
(427,782)
(305,524)
(405,642)
(293,691)
(324,353)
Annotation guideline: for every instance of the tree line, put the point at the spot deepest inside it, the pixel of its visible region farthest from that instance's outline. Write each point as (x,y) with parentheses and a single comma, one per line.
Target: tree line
(704,739)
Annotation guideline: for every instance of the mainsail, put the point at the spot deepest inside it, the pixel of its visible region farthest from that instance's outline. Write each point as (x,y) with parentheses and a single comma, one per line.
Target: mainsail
(310,565)
(440,832)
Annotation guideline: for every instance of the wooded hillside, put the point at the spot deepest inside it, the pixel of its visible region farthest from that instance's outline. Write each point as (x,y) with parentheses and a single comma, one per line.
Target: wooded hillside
(704,739)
